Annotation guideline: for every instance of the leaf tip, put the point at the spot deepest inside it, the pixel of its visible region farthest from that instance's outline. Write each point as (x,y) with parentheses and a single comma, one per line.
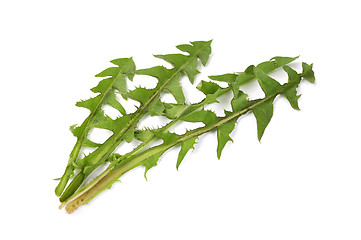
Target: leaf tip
(307,72)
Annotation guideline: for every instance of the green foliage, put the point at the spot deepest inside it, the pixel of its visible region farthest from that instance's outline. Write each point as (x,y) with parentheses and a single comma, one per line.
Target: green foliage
(124,127)
(261,108)
(106,90)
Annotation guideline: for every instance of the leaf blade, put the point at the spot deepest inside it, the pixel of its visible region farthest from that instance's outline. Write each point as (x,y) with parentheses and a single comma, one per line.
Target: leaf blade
(263,113)
(185,147)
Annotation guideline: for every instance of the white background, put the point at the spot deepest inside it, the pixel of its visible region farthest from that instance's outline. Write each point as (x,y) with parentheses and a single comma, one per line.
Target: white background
(301,182)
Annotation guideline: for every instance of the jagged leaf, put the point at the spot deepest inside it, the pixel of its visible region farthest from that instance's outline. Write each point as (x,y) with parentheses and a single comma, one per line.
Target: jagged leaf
(117,80)
(212,92)
(144,134)
(159,72)
(205,116)
(167,137)
(194,49)
(223,137)
(111,100)
(185,147)
(127,65)
(151,162)
(238,103)
(124,127)
(268,84)
(109,72)
(235,80)
(291,93)
(275,63)
(191,69)
(141,95)
(92,103)
(105,88)
(75,130)
(114,125)
(168,79)
(208,87)
(78,130)
(228,77)
(157,108)
(174,59)
(174,111)
(307,72)
(263,113)
(149,98)
(176,90)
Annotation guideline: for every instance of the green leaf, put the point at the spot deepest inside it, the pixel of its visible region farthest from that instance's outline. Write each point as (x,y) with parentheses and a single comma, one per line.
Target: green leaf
(208,87)
(124,128)
(157,108)
(280,62)
(191,69)
(161,73)
(141,95)
(268,84)
(228,77)
(167,137)
(78,130)
(185,147)
(223,137)
(151,162)
(75,130)
(212,92)
(174,59)
(263,113)
(193,49)
(291,93)
(176,90)
(174,111)
(111,100)
(206,116)
(109,72)
(127,64)
(266,67)
(114,125)
(144,134)
(240,102)
(307,72)
(117,81)
(246,76)
(105,88)
(275,63)
(236,80)
(168,80)
(91,103)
